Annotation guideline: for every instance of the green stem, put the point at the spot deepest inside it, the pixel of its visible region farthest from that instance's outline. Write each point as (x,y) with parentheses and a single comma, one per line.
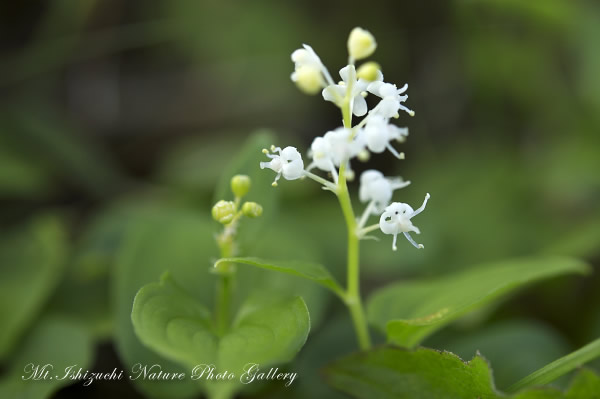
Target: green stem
(353,299)
(223,303)
(346,113)
(226,272)
(368,229)
(559,367)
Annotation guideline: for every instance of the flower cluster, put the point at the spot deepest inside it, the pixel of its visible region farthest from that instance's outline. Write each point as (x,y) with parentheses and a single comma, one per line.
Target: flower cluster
(333,152)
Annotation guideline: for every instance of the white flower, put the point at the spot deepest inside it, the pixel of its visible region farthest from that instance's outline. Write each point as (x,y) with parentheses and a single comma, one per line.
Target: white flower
(391,98)
(344,146)
(306,57)
(288,163)
(361,43)
(378,189)
(337,93)
(334,148)
(309,71)
(397,219)
(378,134)
(322,154)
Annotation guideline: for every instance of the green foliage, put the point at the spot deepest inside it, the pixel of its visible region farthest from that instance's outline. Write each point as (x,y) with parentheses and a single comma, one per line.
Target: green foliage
(310,271)
(586,384)
(32,257)
(180,328)
(515,348)
(559,367)
(395,373)
(519,153)
(389,372)
(410,311)
(162,238)
(58,342)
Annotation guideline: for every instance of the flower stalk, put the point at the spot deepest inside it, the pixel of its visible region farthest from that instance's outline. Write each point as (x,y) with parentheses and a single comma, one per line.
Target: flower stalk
(229,214)
(353,298)
(333,152)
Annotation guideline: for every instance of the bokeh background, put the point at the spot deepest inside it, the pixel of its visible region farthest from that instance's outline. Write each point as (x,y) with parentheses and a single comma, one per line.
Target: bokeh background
(122,121)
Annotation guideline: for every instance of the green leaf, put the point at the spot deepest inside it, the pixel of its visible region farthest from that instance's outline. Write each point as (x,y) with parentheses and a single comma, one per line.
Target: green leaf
(586,384)
(164,238)
(174,324)
(32,258)
(99,243)
(515,348)
(279,242)
(311,271)
(389,372)
(177,326)
(331,341)
(86,301)
(410,311)
(559,367)
(54,341)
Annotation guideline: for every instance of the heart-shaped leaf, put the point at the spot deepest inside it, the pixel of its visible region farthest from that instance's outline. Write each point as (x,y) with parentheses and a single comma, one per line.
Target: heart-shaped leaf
(161,238)
(308,270)
(178,327)
(396,373)
(410,311)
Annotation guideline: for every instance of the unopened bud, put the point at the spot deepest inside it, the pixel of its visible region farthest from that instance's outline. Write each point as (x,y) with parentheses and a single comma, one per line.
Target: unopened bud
(308,78)
(240,185)
(223,211)
(364,156)
(361,44)
(368,71)
(252,209)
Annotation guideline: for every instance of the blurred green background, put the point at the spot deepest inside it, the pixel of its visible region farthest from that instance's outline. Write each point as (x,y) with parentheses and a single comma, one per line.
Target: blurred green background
(121,122)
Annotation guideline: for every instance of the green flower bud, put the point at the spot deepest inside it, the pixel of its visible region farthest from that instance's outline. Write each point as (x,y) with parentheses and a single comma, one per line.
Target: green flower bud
(223,211)
(252,209)
(240,185)
(361,44)
(368,71)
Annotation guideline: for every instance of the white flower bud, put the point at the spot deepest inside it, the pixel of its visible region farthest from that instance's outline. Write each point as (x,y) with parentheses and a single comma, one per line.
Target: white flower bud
(361,43)
(309,71)
(369,71)
(308,79)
